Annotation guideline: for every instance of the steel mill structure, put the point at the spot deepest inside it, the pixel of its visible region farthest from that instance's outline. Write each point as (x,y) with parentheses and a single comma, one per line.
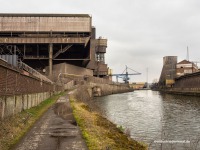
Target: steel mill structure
(44,40)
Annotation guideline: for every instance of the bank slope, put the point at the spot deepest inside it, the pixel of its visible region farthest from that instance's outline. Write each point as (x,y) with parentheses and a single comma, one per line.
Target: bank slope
(100,133)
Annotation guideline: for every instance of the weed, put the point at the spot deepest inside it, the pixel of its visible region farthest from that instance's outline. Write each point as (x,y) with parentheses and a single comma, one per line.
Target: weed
(98,132)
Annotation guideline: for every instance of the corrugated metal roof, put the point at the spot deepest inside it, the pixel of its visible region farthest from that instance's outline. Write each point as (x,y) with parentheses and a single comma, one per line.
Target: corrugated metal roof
(42,15)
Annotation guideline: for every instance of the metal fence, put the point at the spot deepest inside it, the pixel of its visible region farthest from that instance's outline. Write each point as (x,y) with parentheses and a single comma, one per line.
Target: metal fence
(24,66)
(11,59)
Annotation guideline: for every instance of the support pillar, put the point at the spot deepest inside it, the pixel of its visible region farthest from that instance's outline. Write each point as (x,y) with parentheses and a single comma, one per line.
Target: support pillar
(50,59)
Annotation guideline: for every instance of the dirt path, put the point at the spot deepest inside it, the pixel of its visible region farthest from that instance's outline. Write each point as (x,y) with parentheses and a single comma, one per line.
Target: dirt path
(55,130)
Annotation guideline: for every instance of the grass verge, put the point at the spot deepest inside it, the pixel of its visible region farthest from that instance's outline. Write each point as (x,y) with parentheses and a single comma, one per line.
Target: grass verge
(99,133)
(13,128)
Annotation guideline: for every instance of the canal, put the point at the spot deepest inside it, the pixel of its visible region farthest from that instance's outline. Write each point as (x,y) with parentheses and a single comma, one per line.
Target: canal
(163,121)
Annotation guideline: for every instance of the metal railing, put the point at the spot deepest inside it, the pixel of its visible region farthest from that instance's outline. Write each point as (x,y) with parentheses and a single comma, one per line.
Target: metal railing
(27,68)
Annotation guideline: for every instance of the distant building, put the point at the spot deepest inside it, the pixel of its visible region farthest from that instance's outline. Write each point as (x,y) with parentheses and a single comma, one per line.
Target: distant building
(185,67)
(138,85)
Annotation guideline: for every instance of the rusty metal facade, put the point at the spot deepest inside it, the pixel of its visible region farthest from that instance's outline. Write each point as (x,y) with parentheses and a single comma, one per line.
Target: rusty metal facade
(32,23)
(40,40)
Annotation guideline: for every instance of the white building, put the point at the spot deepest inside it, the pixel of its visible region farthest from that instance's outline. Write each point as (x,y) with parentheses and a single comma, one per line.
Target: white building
(185,67)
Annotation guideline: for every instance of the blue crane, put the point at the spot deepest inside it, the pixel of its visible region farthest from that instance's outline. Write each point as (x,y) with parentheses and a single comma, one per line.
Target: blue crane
(125,75)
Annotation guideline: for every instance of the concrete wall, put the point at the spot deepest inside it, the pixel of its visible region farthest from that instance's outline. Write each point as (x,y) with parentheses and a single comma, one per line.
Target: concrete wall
(108,89)
(70,69)
(69,85)
(104,86)
(92,64)
(190,81)
(10,105)
(44,23)
(186,85)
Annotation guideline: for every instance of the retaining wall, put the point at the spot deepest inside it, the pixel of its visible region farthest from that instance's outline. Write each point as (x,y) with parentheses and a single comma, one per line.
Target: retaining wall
(70,69)
(190,81)
(20,90)
(186,85)
(100,89)
(10,105)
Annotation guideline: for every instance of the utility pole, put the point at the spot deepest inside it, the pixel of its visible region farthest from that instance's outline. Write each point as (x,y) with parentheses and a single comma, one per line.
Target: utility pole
(126,80)
(147,78)
(187,53)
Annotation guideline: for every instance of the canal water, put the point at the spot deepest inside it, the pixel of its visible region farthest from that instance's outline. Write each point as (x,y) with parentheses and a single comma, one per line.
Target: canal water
(163,121)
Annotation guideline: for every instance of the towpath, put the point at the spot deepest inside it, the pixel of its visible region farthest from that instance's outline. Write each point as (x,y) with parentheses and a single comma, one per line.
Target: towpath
(55,130)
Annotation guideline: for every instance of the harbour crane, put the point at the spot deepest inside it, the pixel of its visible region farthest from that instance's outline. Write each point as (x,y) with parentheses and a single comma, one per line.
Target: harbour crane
(125,75)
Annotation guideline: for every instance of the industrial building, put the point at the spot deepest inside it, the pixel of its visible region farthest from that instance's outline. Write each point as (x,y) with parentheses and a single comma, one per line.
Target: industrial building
(138,85)
(172,70)
(168,73)
(44,40)
(185,67)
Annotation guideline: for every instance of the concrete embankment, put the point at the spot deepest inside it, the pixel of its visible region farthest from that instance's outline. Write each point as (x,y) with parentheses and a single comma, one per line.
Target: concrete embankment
(98,86)
(108,89)
(181,91)
(188,84)
(101,87)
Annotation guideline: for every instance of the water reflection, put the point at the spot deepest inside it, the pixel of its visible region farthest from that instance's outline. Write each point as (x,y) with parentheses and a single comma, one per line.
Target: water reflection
(152,116)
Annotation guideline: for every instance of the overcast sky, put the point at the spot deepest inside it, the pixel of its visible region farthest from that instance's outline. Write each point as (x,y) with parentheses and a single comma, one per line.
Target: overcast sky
(139,32)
